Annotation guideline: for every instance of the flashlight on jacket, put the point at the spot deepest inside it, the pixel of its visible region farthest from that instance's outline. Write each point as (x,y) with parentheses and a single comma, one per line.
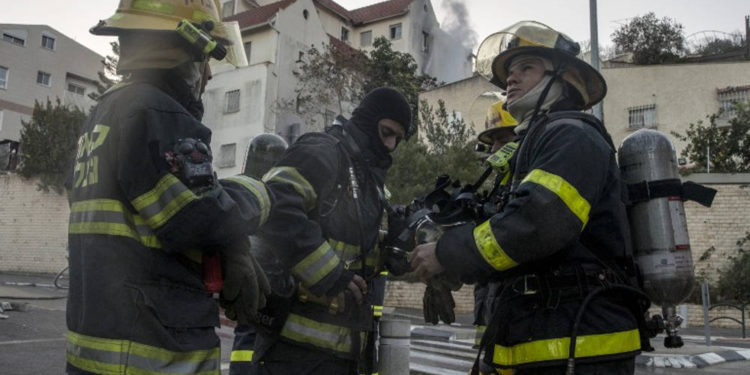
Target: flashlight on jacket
(212,278)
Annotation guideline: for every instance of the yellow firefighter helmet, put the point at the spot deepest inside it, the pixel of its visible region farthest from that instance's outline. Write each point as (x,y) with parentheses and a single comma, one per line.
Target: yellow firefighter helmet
(496,121)
(165,15)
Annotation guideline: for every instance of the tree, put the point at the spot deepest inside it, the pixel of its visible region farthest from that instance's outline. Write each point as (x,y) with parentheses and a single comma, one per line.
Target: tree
(108,77)
(399,70)
(734,279)
(728,147)
(334,77)
(417,163)
(651,40)
(48,144)
(719,46)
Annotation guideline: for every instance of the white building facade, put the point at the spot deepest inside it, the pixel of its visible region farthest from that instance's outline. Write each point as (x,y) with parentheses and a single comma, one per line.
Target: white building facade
(242,103)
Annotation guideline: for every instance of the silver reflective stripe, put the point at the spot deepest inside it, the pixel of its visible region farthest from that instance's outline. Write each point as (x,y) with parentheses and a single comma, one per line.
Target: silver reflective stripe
(323,335)
(159,204)
(110,356)
(259,191)
(316,265)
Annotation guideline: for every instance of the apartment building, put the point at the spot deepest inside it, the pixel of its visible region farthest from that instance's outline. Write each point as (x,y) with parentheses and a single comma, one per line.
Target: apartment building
(244,102)
(665,97)
(38,63)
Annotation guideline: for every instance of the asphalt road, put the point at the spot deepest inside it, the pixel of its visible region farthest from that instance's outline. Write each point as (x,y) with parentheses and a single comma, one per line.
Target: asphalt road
(32,341)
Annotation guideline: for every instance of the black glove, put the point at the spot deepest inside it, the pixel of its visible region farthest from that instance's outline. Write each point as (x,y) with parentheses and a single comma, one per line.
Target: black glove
(245,284)
(438,304)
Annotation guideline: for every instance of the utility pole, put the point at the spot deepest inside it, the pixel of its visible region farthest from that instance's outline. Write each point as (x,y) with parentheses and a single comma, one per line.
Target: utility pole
(598,111)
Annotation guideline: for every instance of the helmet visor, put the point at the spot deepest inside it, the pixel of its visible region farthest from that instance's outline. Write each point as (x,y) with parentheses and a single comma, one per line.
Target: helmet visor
(521,34)
(228,34)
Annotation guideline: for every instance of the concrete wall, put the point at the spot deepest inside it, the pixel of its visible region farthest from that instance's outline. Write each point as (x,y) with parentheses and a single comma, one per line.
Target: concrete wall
(682,93)
(23,62)
(33,227)
(464,96)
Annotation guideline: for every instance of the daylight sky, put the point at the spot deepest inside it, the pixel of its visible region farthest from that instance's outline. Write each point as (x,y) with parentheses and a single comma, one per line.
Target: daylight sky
(74,18)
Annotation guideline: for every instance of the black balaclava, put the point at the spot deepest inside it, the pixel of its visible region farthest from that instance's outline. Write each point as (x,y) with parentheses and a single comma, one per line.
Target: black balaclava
(378,104)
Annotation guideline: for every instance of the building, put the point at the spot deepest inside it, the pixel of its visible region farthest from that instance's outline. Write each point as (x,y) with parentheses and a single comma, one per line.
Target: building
(665,97)
(38,63)
(243,102)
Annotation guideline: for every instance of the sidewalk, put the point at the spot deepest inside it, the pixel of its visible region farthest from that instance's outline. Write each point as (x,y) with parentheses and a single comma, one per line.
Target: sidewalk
(727,343)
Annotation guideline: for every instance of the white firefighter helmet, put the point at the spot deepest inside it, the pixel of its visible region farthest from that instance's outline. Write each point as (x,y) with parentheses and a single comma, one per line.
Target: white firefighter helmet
(533,38)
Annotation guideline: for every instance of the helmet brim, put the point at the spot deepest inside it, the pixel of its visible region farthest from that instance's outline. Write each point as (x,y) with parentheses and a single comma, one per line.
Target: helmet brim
(582,76)
(486,135)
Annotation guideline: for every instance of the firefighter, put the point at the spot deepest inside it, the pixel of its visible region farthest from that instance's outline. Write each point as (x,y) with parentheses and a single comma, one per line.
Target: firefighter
(152,231)
(325,229)
(262,153)
(562,240)
(499,125)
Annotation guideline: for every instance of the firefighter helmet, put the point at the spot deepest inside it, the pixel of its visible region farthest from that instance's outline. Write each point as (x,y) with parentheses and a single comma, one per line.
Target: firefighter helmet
(166,15)
(497,120)
(533,38)
(262,153)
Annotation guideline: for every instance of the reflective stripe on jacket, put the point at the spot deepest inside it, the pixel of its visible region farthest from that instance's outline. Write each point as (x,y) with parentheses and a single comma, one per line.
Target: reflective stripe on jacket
(136,302)
(565,209)
(315,231)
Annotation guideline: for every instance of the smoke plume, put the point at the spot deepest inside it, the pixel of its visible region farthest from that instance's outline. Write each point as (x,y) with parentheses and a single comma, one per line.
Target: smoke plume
(457,24)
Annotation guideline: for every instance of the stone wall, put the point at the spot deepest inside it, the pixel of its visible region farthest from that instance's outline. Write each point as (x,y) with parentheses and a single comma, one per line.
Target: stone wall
(33,227)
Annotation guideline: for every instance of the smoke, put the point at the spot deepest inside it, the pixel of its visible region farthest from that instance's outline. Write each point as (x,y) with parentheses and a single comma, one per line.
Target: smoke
(457,24)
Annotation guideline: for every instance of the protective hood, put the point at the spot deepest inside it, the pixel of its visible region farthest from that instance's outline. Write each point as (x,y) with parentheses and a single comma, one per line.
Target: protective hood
(378,104)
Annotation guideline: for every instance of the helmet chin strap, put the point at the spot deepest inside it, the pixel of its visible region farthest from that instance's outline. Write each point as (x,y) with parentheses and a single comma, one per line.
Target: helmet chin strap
(556,74)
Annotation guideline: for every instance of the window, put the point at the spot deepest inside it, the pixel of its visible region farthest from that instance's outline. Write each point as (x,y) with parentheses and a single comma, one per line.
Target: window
(3,77)
(48,42)
(344,34)
(248,50)
(396,31)
(227,154)
(13,39)
(425,41)
(730,96)
(72,87)
(365,38)
(43,78)
(643,116)
(227,9)
(233,101)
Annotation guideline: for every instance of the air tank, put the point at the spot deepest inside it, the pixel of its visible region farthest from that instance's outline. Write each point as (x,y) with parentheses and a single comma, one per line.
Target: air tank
(658,226)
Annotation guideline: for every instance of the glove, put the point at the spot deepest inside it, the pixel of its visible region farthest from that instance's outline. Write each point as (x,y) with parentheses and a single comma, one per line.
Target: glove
(245,284)
(438,303)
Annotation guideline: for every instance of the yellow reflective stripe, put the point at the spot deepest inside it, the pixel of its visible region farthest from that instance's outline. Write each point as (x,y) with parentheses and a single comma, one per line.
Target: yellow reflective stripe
(556,349)
(259,190)
(110,217)
(490,250)
(383,273)
(112,356)
(322,335)
(377,310)
(316,265)
(567,192)
(345,250)
(478,335)
(290,176)
(241,356)
(159,204)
